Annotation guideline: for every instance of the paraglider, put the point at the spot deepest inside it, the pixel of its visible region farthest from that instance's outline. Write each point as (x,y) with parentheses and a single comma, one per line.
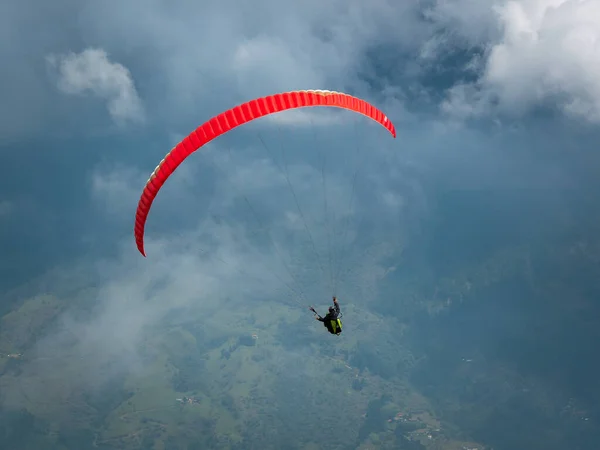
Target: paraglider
(331,321)
(235,117)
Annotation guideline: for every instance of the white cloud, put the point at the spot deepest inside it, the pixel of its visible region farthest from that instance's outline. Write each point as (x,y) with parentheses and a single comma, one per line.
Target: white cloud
(240,51)
(91,71)
(236,51)
(137,299)
(472,21)
(117,188)
(264,182)
(285,67)
(271,217)
(548,51)
(188,274)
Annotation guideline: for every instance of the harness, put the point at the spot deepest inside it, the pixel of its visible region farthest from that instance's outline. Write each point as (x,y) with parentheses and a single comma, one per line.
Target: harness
(335,326)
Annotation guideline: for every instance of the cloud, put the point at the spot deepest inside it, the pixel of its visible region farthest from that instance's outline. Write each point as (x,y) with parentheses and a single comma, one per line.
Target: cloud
(91,71)
(547,55)
(209,258)
(112,329)
(233,259)
(273,59)
(117,189)
(283,206)
(470,21)
(241,51)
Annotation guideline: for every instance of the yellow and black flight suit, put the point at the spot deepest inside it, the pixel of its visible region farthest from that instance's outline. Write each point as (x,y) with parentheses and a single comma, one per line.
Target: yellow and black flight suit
(331,319)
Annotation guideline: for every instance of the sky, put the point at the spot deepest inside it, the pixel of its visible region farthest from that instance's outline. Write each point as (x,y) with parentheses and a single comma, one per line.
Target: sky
(496,105)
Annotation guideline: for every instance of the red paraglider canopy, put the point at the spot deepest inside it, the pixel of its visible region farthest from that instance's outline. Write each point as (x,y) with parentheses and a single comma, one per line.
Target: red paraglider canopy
(233,118)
